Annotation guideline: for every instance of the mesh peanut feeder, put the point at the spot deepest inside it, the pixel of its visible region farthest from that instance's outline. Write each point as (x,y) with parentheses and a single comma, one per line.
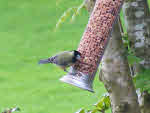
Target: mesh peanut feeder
(93,43)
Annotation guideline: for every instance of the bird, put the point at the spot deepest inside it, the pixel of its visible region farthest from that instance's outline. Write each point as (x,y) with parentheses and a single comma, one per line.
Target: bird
(63,59)
(11,110)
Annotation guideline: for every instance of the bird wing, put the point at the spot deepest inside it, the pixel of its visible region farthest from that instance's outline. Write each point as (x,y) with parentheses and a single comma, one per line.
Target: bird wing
(64,58)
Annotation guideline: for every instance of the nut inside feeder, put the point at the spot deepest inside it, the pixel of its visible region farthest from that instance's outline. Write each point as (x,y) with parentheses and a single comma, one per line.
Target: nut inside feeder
(93,43)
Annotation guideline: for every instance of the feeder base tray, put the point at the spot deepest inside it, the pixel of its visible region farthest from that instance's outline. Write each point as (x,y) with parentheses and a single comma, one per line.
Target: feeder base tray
(82,82)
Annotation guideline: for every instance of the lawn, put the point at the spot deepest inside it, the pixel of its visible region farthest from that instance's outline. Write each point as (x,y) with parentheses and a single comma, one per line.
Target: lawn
(27,35)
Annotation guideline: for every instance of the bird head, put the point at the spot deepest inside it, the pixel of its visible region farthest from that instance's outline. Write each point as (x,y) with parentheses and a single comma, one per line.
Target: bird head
(77,54)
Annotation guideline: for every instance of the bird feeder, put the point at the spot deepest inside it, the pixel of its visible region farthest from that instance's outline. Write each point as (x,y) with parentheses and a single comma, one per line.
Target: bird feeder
(93,44)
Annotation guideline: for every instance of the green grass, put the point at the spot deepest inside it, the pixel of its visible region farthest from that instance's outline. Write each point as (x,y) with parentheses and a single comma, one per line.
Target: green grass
(26,31)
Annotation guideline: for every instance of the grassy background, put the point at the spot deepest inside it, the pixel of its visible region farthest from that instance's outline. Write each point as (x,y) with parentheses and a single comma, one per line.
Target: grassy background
(26,31)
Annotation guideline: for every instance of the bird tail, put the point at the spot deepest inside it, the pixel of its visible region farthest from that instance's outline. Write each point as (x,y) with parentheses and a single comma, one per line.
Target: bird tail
(44,61)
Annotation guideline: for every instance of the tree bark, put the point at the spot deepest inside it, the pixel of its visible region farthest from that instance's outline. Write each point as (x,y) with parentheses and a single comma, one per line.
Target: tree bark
(116,77)
(89,4)
(137,21)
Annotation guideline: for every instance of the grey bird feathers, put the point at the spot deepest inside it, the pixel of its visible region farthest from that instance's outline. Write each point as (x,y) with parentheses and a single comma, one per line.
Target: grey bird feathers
(64,59)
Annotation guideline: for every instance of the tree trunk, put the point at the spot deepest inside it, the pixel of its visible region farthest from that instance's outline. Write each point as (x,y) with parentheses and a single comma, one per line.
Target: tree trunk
(115,75)
(137,21)
(89,4)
